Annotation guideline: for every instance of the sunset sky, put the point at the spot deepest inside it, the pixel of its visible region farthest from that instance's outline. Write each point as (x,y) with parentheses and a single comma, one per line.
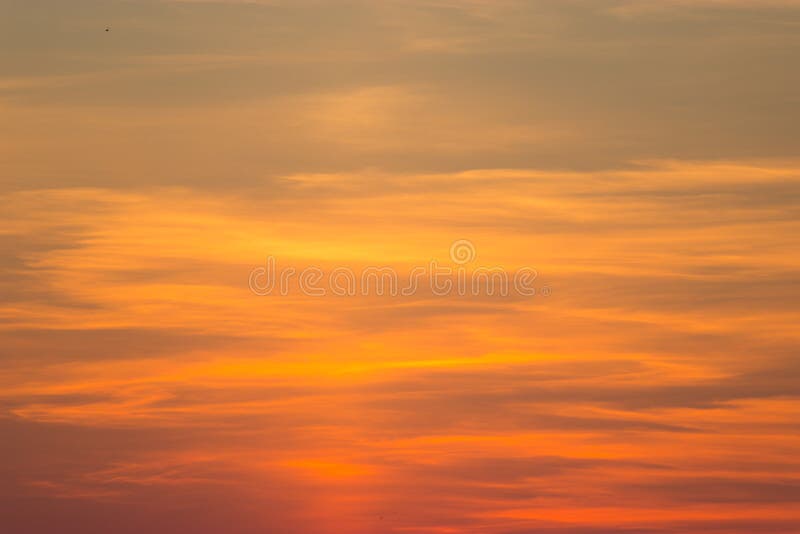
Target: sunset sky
(642,156)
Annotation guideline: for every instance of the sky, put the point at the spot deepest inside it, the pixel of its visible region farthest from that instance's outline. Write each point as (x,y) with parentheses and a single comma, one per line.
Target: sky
(640,158)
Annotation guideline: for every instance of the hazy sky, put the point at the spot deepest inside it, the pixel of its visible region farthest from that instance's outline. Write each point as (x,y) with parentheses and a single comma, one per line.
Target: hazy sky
(642,156)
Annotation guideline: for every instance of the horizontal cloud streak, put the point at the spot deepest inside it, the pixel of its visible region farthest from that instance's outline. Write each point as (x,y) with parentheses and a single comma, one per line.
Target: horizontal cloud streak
(639,157)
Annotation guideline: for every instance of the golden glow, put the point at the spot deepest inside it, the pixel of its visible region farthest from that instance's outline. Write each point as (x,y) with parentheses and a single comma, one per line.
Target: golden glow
(146,171)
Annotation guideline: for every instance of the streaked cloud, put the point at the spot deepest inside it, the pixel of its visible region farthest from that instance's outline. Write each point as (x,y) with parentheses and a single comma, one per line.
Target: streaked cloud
(641,157)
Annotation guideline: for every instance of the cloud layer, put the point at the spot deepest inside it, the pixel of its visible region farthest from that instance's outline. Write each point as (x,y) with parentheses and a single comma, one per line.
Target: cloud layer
(642,158)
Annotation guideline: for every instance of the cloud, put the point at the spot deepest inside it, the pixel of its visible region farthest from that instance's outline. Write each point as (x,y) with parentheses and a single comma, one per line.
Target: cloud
(421,86)
(642,158)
